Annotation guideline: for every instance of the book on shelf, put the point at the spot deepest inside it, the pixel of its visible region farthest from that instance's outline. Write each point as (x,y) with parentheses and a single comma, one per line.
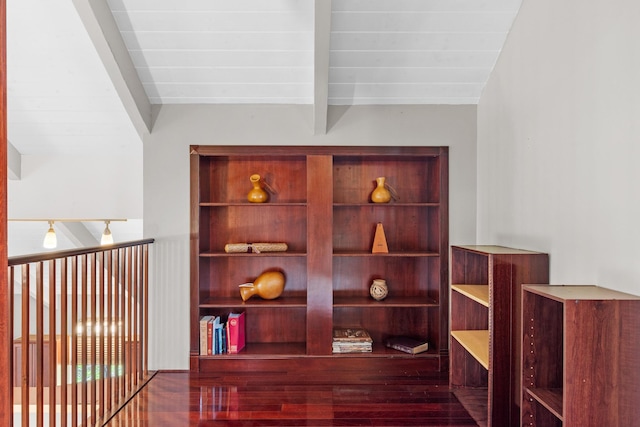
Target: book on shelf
(351,335)
(351,340)
(235,332)
(407,344)
(204,337)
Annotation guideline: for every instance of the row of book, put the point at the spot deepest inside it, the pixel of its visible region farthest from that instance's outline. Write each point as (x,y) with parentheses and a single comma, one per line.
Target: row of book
(358,340)
(219,337)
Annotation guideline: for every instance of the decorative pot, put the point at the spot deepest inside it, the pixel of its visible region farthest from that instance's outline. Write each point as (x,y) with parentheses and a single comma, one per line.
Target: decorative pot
(268,285)
(379,289)
(257,193)
(380,194)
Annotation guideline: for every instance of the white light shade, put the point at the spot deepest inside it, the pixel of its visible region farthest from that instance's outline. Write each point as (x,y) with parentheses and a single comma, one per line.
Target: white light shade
(50,240)
(107,237)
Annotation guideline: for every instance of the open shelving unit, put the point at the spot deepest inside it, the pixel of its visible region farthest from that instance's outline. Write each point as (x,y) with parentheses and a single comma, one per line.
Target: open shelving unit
(321,210)
(581,356)
(485,294)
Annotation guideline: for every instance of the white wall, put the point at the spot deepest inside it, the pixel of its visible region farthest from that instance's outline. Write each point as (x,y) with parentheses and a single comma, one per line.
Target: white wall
(166,181)
(559,141)
(81,186)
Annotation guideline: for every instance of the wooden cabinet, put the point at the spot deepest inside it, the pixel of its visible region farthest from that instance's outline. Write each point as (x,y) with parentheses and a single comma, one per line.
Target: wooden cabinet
(485,312)
(320,208)
(581,352)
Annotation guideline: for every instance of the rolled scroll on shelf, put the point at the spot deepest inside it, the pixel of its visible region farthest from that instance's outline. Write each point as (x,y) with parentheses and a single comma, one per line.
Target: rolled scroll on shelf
(255,247)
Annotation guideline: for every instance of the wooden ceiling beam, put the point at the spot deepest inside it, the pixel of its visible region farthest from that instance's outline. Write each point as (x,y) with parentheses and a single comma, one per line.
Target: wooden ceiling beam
(105,35)
(322,39)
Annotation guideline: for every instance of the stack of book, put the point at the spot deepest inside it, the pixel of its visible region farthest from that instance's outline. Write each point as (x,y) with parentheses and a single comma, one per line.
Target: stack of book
(218,337)
(351,340)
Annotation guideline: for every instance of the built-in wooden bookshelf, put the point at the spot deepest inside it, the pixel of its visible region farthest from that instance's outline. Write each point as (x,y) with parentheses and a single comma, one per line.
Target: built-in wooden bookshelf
(485,310)
(320,208)
(581,352)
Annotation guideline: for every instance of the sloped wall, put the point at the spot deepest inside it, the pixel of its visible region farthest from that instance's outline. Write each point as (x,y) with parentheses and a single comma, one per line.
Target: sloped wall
(559,141)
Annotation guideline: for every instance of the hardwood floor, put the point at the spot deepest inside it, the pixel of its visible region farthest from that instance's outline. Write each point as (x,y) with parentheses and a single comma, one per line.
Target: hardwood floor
(297,397)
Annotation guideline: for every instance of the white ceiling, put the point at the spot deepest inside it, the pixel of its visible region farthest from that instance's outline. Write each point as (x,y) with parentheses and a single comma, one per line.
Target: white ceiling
(83,74)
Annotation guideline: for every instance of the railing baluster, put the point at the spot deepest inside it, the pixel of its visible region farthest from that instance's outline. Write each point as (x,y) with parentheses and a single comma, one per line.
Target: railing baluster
(145,317)
(74,341)
(53,348)
(131,338)
(102,335)
(64,341)
(25,347)
(93,336)
(12,363)
(134,322)
(39,346)
(110,320)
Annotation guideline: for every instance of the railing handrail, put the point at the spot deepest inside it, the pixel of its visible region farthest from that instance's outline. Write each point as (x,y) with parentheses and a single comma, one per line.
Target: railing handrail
(45,256)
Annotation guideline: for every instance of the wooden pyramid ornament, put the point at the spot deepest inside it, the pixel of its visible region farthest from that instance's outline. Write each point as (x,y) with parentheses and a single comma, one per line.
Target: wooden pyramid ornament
(379,241)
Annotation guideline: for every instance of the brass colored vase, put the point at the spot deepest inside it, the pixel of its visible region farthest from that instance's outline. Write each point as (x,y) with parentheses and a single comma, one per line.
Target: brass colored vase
(268,285)
(380,194)
(257,193)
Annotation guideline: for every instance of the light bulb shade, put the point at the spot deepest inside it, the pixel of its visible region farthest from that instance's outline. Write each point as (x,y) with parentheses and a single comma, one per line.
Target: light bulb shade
(107,237)
(50,240)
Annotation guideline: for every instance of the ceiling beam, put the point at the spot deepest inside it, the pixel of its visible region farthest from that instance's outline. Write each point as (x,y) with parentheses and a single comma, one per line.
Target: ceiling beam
(322,38)
(78,234)
(105,35)
(14,162)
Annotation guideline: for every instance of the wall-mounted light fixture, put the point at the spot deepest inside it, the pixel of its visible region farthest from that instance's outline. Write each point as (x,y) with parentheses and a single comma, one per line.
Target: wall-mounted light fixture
(50,240)
(107,237)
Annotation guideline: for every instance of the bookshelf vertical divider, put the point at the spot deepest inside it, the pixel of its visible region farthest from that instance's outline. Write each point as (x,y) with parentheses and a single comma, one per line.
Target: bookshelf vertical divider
(320,208)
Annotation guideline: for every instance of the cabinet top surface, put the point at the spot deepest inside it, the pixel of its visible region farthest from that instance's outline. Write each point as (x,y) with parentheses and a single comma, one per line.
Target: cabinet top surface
(295,150)
(578,292)
(495,250)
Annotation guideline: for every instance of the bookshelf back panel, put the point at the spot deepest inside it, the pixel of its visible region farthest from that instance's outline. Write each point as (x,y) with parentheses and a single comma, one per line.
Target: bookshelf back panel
(276,325)
(220,276)
(252,223)
(469,267)
(383,322)
(542,346)
(225,179)
(406,228)
(469,314)
(415,180)
(405,276)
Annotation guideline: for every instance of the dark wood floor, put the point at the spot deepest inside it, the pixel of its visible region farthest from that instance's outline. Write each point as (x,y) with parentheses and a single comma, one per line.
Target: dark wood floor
(297,397)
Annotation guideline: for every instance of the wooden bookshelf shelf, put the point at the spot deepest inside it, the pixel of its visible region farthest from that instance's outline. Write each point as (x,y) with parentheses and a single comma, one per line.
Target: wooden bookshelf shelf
(363,301)
(476,343)
(478,293)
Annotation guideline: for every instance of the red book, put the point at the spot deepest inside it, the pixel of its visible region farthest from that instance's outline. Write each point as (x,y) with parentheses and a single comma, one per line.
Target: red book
(235,332)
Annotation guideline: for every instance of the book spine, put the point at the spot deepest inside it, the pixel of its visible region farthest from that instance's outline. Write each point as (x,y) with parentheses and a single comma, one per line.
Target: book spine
(210,338)
(203,335)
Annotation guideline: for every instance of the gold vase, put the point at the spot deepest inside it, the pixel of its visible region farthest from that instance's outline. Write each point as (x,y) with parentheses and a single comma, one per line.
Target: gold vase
(380,194)
(268,285)
(257,193)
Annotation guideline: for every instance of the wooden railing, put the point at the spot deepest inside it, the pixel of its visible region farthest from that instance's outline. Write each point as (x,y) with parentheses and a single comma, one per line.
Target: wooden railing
(79,322)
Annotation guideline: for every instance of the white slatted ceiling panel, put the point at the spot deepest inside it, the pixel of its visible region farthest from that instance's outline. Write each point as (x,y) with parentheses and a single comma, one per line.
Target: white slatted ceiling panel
(255,51)
(204,51)
(60,98)
(415,51)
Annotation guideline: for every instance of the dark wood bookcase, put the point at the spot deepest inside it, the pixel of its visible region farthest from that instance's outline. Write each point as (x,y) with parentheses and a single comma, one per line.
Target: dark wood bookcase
(486,282)
(320,208)
(580,359)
